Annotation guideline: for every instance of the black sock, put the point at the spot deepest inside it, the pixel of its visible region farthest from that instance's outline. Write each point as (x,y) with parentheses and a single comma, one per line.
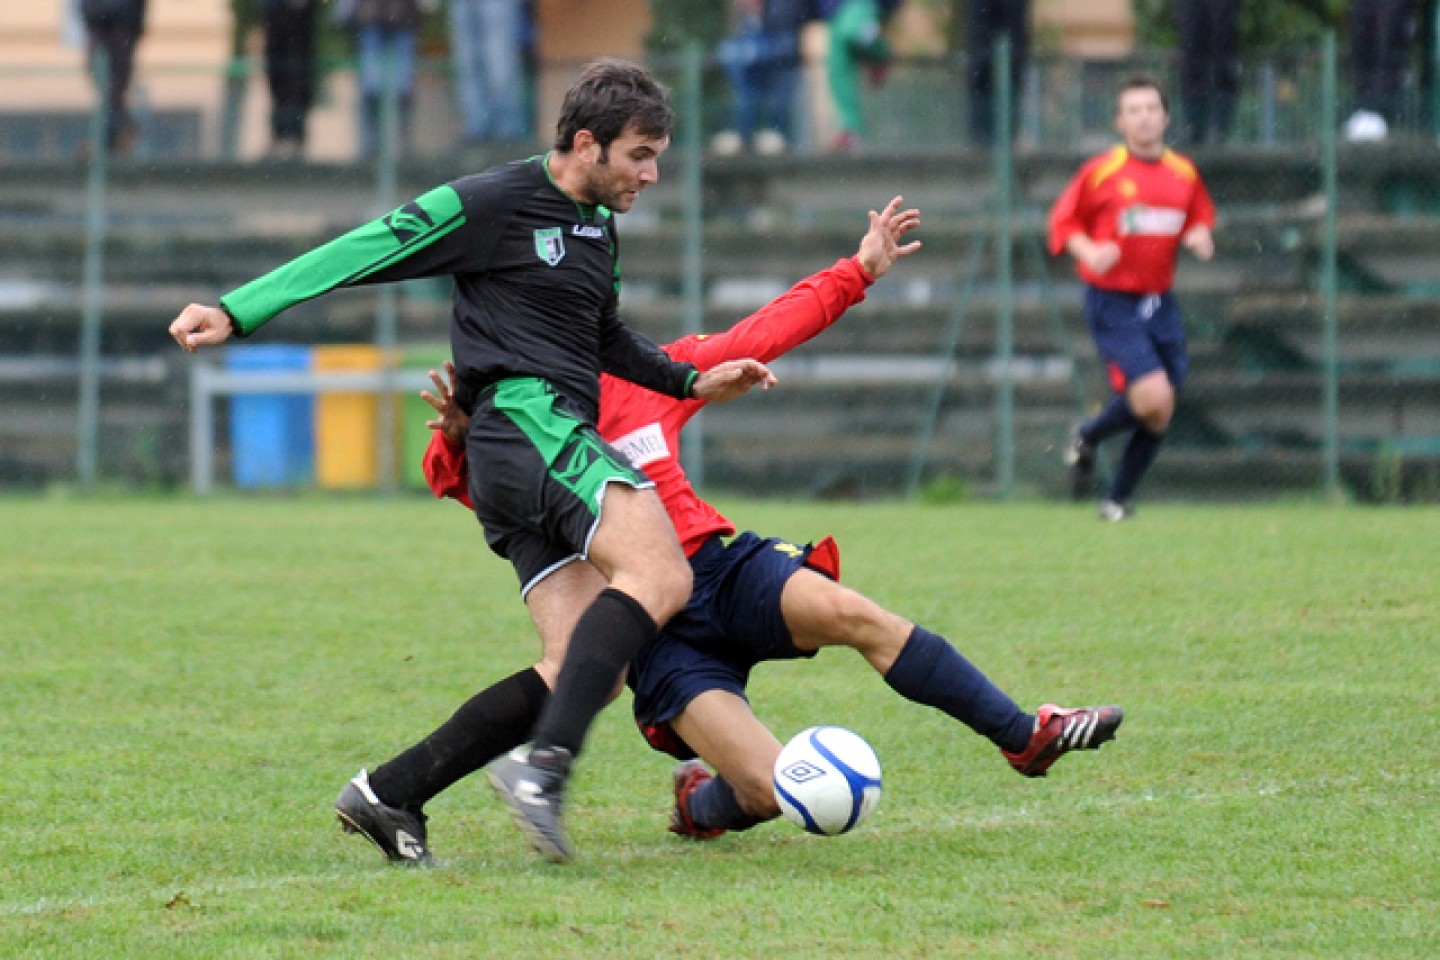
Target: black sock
(607,635)
(496,719)
(930,671)
(714,806)
(1139,454)
(1115,417)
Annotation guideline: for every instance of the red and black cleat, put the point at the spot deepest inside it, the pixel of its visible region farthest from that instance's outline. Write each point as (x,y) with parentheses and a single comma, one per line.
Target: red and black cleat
(689,776)
(1059,730)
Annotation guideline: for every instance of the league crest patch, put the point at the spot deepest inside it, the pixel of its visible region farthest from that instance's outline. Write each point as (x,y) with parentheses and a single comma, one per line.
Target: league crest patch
(550,245)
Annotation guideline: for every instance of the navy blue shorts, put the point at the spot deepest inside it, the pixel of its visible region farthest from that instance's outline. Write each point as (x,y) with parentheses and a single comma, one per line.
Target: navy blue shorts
(1137,334)
(732,622)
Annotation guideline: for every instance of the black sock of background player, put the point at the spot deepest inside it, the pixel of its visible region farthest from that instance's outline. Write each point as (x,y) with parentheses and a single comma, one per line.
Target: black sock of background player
(1139,454)
(714,806)
(1115,417)
(608,634)
(495,720)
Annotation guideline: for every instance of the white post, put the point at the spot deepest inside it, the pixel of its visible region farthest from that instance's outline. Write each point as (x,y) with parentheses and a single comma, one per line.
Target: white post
(202,430)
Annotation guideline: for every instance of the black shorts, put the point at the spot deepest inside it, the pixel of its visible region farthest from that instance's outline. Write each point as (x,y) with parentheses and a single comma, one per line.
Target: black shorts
(538,474)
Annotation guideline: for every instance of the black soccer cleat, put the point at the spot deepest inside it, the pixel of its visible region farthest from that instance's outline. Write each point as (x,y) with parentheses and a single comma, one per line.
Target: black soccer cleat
(1080,461)
(1058,731)
(399,834)
(532,784)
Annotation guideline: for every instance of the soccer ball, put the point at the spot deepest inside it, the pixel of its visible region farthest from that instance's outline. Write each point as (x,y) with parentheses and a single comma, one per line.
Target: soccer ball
(827,780)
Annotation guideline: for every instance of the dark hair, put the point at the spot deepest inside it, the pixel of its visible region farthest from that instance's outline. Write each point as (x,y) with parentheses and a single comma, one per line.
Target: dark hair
(1142,81)
(610,96)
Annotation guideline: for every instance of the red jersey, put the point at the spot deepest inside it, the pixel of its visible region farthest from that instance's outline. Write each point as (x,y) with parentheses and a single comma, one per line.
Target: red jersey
(645,426)
(1143,205)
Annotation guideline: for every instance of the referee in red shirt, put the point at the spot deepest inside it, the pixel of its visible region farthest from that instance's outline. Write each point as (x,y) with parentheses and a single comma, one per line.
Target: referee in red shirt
(1124,218)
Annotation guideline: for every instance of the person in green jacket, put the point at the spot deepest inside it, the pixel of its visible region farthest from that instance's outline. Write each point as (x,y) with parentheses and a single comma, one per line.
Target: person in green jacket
(857,39)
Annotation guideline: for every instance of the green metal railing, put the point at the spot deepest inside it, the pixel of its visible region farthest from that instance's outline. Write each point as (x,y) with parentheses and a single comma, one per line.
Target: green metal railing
(1343,412)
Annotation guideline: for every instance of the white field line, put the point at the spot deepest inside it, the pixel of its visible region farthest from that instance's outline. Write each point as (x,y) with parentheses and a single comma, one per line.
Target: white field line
(990,819)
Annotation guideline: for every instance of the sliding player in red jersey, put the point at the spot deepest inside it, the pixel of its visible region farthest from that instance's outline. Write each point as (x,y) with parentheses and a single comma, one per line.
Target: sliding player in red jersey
(1124,218)
(756,598)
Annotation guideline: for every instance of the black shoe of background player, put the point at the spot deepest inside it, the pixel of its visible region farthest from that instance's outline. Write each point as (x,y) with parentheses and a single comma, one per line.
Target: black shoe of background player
(1080,461)
(532,784)
(399,834)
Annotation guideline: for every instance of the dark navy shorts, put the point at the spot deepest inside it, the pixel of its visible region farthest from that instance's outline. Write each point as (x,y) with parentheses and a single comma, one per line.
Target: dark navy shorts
(1137,334)
(732,622)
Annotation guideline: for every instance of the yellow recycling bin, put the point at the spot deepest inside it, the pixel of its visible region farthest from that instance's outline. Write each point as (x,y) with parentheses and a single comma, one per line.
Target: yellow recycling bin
(347,424)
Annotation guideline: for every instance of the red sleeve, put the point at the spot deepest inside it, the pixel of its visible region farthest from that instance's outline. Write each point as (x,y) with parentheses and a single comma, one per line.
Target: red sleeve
(784,323)
(1069,214)
(446,470)
(1202,208)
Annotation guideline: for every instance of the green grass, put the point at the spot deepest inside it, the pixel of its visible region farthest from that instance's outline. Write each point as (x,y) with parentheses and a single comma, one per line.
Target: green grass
(185,686)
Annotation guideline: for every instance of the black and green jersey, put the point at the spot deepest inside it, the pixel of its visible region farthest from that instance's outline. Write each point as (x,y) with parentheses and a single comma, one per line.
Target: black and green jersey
(537,279)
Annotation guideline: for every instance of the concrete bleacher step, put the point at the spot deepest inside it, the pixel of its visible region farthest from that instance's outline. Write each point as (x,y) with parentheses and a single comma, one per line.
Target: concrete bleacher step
(850,405)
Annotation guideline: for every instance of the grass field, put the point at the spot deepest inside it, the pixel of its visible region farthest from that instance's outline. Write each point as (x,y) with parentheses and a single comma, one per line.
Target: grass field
(185,686)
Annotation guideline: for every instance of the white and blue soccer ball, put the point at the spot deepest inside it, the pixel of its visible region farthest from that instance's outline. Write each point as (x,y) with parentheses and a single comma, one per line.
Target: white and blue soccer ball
(827,780)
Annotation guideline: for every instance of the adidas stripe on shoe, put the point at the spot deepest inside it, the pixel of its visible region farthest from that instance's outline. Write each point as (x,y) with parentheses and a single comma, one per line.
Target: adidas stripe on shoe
(1059,730)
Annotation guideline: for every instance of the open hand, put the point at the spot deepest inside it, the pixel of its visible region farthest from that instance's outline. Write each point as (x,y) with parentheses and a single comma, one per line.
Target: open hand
(451,420)
(880,247)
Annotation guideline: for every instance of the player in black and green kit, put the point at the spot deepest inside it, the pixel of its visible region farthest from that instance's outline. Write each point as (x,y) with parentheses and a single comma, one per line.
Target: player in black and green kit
(533,251)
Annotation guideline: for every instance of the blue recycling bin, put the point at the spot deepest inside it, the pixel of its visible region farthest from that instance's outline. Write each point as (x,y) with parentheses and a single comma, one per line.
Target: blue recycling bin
(272,436)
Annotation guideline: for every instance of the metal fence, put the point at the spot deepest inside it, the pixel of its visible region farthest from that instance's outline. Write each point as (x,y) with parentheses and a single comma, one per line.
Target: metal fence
(1314,334)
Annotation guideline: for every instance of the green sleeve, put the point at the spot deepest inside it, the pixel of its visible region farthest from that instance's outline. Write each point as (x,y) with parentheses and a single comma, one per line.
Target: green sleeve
(403,244)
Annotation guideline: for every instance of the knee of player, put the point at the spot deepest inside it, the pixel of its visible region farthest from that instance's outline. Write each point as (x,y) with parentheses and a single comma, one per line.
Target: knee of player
(672,583)
(855,620)
(1153,405)
(1157,417)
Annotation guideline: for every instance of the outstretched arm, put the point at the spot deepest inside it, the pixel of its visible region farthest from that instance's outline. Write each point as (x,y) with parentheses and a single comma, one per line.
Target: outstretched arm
(814,303)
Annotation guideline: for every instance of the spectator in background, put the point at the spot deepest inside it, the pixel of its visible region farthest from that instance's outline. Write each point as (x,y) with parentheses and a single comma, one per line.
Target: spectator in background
(762,59)
(1381,32)
(857,39)
(290,70)
(113,28)
(385,33)
(989,20)
(1209,67)
(485,46)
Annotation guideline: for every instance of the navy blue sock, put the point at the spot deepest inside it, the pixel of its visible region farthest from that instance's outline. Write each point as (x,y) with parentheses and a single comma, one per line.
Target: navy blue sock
(1139,454)
(930,671)
(714,806)
(1114,418)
